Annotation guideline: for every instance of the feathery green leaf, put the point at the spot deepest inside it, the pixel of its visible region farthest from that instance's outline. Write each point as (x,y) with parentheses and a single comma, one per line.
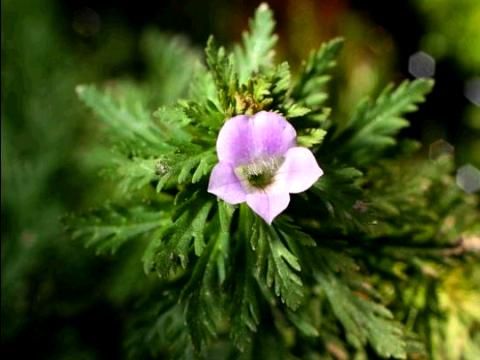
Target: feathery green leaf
(363,319)
(256,52)
(110,227)
(276,266)
(374,124)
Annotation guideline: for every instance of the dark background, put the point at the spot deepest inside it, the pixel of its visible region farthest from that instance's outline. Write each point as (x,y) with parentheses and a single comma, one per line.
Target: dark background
(56,296)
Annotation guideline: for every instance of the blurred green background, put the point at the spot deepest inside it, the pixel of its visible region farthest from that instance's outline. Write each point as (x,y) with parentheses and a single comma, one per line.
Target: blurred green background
(58,297)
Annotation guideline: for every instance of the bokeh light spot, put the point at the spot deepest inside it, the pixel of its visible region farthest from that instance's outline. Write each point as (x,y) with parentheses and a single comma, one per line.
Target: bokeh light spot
(468,178)
(421,65)
(472,91)
(440,148)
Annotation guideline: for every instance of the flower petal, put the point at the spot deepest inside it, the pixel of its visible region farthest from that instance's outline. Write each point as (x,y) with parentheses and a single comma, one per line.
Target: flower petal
(225,184)
(234,142)
(270,202)
(300,170)
(272,134)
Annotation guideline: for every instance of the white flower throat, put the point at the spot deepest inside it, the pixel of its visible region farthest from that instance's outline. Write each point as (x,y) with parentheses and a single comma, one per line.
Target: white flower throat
(260,172)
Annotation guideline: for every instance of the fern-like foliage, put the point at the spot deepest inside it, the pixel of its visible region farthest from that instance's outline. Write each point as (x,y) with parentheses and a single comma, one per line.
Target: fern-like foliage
(256,52)
(110,227)
(316,282)
(276,266)
(373,125)
(363,319)
(309,90)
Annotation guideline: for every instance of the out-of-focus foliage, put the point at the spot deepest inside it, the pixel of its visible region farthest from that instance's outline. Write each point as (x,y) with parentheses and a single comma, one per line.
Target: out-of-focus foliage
(452,30)
(452,35)
(53,290)
(46,293)
(39,127)
(454,334)
(380,258)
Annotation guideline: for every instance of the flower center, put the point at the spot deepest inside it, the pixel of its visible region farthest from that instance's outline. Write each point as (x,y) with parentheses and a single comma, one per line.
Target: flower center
(259,173)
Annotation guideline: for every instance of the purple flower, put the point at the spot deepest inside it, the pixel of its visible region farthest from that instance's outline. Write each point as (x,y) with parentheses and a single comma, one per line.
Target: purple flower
(260,163)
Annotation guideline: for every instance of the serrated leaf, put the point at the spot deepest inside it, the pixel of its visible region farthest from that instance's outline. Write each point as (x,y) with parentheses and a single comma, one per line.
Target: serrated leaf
(309,89)
(183,168)
(374,125)
(174,245)
(204,310)
(213,260)
(222,68)
(281,79)
(256,51)
(268,90)
(110,227)
(296,111)
(134,173)
(244,312)
(363,320)
(206,114)
(172,122)
(311,138)
(201,317)
(126,117)
(293,233)
(276,266)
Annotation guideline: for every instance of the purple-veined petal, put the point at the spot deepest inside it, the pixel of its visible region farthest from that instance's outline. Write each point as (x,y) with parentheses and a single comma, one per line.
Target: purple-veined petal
(234,142)
(270,202)
(225,184)
(272,134)
(299,171)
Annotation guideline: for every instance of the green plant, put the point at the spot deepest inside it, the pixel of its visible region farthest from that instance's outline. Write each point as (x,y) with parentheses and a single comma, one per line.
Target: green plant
(338,273)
